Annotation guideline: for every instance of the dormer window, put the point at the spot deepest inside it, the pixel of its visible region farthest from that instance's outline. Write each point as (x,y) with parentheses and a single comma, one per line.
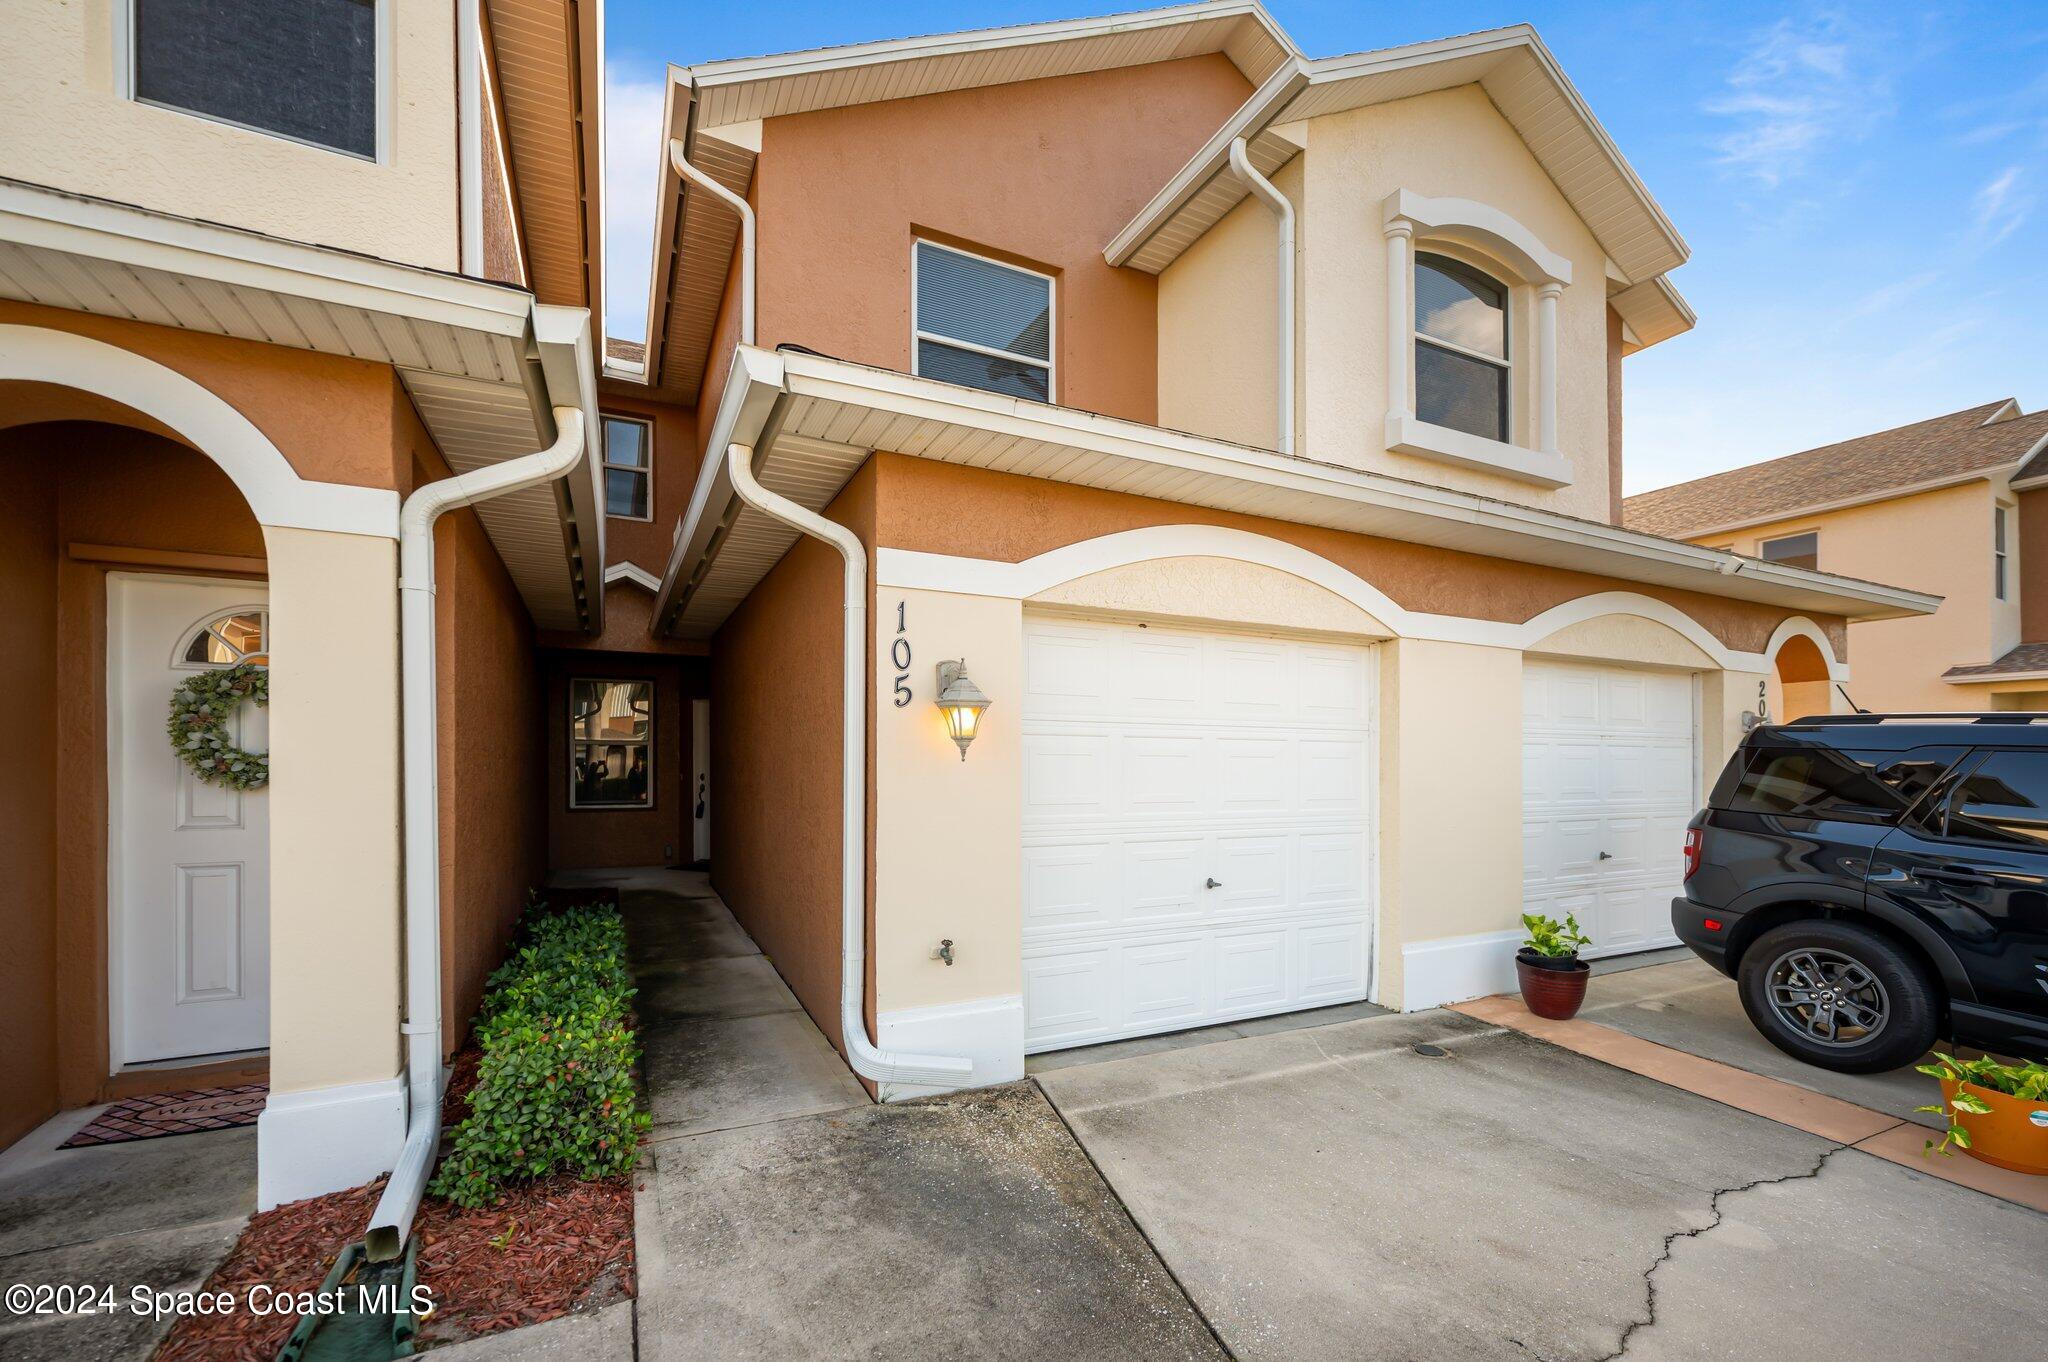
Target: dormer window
(980,323)
(1461,348)
(307,70)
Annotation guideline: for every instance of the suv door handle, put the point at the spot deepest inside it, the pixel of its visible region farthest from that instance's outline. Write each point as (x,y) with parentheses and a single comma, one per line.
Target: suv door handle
(1954,876)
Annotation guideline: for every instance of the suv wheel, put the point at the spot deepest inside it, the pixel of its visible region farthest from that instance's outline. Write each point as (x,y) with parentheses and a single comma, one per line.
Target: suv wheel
(1839,996)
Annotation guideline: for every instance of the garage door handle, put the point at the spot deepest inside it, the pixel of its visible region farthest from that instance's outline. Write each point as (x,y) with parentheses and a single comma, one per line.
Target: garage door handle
(1215,884)
(1606,855)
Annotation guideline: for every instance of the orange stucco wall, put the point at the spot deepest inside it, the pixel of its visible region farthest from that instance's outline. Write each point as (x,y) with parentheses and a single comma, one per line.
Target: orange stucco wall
(675,462)
(334,419)
(70,485)
(775,767)
(2033,544)
(943,508)
(1044,172)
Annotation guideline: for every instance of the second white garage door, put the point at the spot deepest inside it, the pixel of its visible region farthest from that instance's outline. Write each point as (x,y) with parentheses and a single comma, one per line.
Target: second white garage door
(1197,827)
(1607,788)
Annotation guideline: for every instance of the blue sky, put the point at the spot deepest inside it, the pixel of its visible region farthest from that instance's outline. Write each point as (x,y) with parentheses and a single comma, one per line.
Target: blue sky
(1862,187)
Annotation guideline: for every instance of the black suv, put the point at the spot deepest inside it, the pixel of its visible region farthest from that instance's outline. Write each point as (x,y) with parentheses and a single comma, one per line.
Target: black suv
(1877,881)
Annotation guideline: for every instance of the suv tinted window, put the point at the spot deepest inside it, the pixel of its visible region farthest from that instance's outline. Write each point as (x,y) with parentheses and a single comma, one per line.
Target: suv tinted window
(1817,782)
(2004,800)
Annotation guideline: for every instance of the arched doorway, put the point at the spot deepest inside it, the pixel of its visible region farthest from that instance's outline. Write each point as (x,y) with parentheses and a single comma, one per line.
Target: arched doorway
(120,934)
(1800,682)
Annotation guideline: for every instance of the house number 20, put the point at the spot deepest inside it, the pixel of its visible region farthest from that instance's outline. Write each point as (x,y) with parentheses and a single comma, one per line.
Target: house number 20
(899,654)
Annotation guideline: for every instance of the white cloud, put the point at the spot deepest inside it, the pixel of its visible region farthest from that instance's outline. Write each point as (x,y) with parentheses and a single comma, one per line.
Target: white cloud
(2001,206)
(632,157)
(1798,87)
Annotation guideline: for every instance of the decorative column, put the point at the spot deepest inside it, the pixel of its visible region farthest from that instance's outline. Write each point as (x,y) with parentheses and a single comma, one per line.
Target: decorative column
(1400,231)
(1546,365)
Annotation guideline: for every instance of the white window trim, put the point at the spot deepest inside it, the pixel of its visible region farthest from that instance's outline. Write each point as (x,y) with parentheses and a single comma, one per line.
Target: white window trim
(653,703)
(2001,551)
(1052,320)
(646,470)
(124,85)
(1413,222)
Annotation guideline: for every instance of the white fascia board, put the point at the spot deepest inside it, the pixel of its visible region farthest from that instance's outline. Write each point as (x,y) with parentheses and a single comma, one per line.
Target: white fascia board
(566,355)
(840,381)
(754,383)
(34,216)
(783,65)
(1995,678)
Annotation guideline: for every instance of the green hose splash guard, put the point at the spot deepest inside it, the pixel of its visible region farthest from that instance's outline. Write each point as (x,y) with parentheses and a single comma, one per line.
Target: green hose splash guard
(372,1317)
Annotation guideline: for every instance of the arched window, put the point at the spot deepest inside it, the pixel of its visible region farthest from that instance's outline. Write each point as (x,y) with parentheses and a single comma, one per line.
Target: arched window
(239,636)
(1462,365)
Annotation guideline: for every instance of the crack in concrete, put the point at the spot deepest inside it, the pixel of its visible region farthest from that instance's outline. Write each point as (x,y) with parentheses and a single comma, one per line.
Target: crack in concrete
(1671,1240)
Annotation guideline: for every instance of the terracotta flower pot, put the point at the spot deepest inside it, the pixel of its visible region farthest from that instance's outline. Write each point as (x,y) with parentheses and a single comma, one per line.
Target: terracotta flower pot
(1552,986)
(2013,1134)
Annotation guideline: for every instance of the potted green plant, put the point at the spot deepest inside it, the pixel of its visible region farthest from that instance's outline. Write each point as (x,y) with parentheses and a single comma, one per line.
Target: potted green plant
(1996,1112)
(1553,977)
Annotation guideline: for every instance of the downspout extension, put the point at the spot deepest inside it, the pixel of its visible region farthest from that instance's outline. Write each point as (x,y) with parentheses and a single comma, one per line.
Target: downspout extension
(867,1060)
(1267,193)
(746,211)
(391,1223)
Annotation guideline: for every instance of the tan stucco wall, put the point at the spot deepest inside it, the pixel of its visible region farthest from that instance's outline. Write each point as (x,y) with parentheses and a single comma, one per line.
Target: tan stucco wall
(1218,335)
(1897,664)
(334,809)
(1043,172)
(1219,590)
(63,125)
(1455,144)
(1625,638)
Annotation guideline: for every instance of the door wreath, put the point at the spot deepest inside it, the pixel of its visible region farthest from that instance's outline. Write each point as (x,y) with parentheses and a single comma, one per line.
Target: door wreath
(200,710)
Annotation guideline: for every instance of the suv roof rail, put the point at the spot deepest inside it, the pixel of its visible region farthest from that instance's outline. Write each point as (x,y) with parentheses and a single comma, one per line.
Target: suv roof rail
(2011,716)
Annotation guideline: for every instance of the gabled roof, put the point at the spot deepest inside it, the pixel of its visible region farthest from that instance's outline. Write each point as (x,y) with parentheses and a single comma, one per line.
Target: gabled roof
(712,106)
(1518,74)
(1938,452)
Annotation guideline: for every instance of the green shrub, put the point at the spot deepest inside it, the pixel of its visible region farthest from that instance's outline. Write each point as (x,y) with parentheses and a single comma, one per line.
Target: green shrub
(554,1089)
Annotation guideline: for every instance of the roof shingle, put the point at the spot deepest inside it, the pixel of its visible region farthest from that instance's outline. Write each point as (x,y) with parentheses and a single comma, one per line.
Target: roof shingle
(1863,469)
(2027,658)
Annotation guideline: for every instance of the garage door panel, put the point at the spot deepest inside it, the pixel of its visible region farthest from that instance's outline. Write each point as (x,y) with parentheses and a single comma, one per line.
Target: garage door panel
(1163,759)
(1608,763)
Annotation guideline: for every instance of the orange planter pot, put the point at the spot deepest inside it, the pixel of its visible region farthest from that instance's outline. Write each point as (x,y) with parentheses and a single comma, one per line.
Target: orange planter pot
(2013,1134)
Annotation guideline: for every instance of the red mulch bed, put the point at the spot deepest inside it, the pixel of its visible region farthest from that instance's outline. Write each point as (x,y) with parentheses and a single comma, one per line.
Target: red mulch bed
(567,1246)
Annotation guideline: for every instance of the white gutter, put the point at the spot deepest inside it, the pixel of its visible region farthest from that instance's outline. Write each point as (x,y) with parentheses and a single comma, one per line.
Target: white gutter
(1267,193)
(469,64)
(882,1066)
(392,1220)
(745,210)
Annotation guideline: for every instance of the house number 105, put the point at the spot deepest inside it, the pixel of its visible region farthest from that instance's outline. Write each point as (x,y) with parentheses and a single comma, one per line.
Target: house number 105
(899,654)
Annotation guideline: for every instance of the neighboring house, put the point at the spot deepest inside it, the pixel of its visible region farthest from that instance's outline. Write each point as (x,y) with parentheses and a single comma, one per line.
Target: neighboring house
(1293,572)
(1942,506)
(264,271)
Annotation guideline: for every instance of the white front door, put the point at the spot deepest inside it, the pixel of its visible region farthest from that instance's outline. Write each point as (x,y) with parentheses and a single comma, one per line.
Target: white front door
(700,780)
(1198,831)
(1607,789)
(189,862)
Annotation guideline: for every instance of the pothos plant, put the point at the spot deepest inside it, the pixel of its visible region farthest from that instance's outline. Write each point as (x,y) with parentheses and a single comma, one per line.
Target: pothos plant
(201,708)
(2028,1082)
(1548,936)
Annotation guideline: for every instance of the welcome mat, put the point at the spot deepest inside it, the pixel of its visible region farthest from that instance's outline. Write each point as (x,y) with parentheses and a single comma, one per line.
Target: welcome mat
(172,1113)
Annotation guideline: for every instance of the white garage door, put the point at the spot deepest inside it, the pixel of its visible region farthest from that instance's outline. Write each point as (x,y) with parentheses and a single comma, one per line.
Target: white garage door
(1607,789)
(1197,827)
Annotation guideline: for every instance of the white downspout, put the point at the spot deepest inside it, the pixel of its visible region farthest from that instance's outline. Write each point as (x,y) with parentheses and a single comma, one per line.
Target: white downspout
(1264,190)
(882,1066)
(469,57)
(746,211)
(418,699)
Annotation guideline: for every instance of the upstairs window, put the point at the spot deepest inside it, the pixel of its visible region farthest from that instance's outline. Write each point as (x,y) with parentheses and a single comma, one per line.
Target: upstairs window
(628,468)
(1461,348)
(303,69)
(1999,530)
(981,324)
(1794,550)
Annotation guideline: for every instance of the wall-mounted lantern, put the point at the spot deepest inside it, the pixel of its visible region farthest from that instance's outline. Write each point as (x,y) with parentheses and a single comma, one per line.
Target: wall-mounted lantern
(962,702)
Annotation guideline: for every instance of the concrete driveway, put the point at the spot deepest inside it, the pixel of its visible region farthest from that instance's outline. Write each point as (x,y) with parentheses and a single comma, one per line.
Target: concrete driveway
(1332,1193)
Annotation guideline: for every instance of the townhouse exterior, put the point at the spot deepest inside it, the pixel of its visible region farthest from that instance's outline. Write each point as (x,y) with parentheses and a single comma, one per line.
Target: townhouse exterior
(1947,506)
(1230,438)
(1247,428)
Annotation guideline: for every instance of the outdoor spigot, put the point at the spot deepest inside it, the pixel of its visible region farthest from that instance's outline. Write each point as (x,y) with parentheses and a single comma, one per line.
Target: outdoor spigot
(944,951)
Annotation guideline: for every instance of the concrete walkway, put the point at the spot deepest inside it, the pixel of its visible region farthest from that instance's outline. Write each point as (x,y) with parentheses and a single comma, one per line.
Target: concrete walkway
(781,1214)
(161,1213)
